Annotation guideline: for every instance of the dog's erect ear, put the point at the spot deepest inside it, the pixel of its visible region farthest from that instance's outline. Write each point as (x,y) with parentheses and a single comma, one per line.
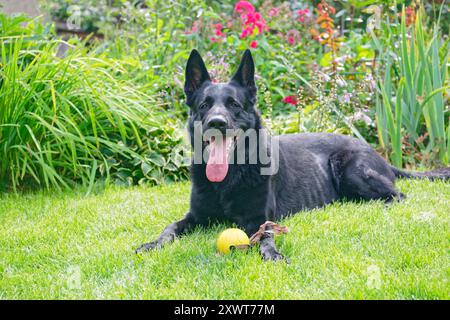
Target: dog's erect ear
(245,75)
(196,74)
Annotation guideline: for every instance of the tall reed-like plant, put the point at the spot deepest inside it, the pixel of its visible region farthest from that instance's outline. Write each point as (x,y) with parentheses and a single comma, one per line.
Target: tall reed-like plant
(68,120)
(411,98)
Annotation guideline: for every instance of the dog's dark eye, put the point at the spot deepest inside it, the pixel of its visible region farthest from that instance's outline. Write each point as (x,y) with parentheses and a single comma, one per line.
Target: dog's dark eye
(234,104)
(203,105)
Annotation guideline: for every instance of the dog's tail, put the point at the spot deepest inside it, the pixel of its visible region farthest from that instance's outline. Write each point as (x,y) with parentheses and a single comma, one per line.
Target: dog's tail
(437,174)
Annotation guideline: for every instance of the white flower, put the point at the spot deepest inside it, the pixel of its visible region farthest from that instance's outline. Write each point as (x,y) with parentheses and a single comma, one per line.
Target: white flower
(325,77)
(341,82)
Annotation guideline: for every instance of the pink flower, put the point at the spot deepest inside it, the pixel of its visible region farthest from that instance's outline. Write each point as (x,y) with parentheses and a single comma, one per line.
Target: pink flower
(218,31)
(345,98)
(273,12)
(361,116)
(244,7)
(261,26)
(293,36)
(302,14)
(213,39)
(194,28)
(246,32)
(250,18)
(253,44)
(290,100)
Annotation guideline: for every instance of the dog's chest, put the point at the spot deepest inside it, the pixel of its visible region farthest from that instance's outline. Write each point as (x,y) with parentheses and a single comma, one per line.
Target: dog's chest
(242,203)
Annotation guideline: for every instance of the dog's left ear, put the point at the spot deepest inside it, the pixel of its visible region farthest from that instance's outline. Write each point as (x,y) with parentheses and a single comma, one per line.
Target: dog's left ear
(245,75)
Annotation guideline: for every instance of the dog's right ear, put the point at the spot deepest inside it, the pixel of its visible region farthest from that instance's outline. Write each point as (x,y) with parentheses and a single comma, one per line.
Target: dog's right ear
(196,74)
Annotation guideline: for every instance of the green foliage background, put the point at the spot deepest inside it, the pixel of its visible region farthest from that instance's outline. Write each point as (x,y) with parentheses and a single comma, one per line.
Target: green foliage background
(106,104)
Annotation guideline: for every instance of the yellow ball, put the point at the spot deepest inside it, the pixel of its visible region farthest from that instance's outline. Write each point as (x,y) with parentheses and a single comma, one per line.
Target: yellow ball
(232,237)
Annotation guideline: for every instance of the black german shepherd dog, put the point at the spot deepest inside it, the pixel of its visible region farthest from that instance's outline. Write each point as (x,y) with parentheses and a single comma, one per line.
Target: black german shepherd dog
(313,169)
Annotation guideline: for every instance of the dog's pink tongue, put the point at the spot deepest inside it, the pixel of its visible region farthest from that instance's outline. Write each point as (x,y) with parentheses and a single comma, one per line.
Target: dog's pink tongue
(217,165)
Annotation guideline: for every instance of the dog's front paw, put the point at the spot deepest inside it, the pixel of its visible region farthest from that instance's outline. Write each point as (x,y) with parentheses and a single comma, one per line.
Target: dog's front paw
(394,199)
(148,246)
(273,255)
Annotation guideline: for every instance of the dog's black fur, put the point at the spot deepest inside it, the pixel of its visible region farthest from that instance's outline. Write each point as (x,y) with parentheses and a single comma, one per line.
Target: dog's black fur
(314,169)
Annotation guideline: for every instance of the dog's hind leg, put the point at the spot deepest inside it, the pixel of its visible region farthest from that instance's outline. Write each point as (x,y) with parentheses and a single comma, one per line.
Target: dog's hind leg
(363,175)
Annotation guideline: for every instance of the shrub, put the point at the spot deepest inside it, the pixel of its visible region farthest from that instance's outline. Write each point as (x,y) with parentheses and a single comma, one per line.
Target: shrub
(71,119)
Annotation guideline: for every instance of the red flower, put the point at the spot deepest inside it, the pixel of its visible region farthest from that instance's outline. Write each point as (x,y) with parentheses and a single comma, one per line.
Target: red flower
(218,32)
(325,8)
(261,25)
(253,44)
(302,14)
(246,32)
(250,19)
(293,36)
(244,7)
(195,26)
(409,15)
(194,29)
(290,100)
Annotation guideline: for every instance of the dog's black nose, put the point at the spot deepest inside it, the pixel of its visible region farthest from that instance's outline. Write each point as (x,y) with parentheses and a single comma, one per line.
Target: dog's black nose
(217,122)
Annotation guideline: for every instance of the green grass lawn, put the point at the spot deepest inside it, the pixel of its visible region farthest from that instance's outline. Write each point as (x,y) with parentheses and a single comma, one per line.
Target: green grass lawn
(72,246)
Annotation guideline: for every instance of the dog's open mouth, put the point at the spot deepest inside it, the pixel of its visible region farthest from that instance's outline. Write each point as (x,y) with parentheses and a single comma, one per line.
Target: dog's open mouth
(219,152)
